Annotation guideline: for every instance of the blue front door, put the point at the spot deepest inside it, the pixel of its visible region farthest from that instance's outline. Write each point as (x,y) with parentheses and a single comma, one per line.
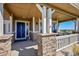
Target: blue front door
(20,31)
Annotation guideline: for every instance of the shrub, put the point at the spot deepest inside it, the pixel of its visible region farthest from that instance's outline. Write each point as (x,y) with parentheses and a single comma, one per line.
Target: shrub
(76,49)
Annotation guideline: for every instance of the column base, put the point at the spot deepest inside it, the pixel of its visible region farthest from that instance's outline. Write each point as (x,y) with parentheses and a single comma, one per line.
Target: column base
(46,45)
(5,45)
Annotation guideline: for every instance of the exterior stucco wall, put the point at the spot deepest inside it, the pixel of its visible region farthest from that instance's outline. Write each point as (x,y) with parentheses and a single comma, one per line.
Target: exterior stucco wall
(37,25)
(1,19)
(1,7)
(6,18)
(30,23)
(6,15)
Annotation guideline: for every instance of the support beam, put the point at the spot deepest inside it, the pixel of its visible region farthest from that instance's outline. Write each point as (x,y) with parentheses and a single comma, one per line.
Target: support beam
(39,7)
(60,10)
(75,5)
(53,11)
(1,19)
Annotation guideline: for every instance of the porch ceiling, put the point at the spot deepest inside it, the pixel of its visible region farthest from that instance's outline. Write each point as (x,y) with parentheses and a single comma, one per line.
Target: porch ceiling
(23,10)
(64,11)
(67,8)
(61,17)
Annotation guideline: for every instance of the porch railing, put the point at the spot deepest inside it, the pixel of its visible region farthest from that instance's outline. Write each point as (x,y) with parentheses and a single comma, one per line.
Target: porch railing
(65,41)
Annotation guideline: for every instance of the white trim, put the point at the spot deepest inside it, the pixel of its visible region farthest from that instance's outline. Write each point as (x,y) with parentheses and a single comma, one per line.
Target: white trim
(16,29)
(65,47)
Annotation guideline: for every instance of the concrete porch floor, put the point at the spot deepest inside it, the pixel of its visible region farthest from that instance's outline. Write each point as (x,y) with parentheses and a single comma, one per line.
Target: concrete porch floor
(24,48)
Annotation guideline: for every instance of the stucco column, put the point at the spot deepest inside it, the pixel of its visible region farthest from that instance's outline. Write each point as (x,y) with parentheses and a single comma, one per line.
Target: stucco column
(44,20)
(11,23)
(1,19)
(33,24)
(57,26)
(77,28)
(49,19)
(77,24)
(42,9)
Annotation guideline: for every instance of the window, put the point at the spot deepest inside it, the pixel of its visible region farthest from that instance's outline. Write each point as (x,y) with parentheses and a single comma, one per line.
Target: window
(6,27)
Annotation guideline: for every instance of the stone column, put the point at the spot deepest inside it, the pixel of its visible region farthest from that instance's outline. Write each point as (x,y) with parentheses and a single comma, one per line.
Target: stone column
(46,41)
(47,45)
(1,19)
(5,45)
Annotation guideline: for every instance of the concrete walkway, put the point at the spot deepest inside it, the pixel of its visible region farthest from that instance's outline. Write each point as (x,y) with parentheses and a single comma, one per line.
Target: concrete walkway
(24,48)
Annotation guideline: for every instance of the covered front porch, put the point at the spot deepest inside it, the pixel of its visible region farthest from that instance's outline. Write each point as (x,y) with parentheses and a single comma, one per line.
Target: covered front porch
(30,48)
(33,25)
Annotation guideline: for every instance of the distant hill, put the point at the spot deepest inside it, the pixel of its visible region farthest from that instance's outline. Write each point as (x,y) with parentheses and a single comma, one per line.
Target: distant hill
(67,31)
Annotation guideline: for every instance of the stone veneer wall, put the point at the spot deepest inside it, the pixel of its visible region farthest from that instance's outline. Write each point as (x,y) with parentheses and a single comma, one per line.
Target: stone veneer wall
(46,45)
(5,45)
(34,35)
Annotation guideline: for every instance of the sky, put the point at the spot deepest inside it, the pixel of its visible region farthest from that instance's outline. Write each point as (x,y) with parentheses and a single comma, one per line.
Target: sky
(67,25)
